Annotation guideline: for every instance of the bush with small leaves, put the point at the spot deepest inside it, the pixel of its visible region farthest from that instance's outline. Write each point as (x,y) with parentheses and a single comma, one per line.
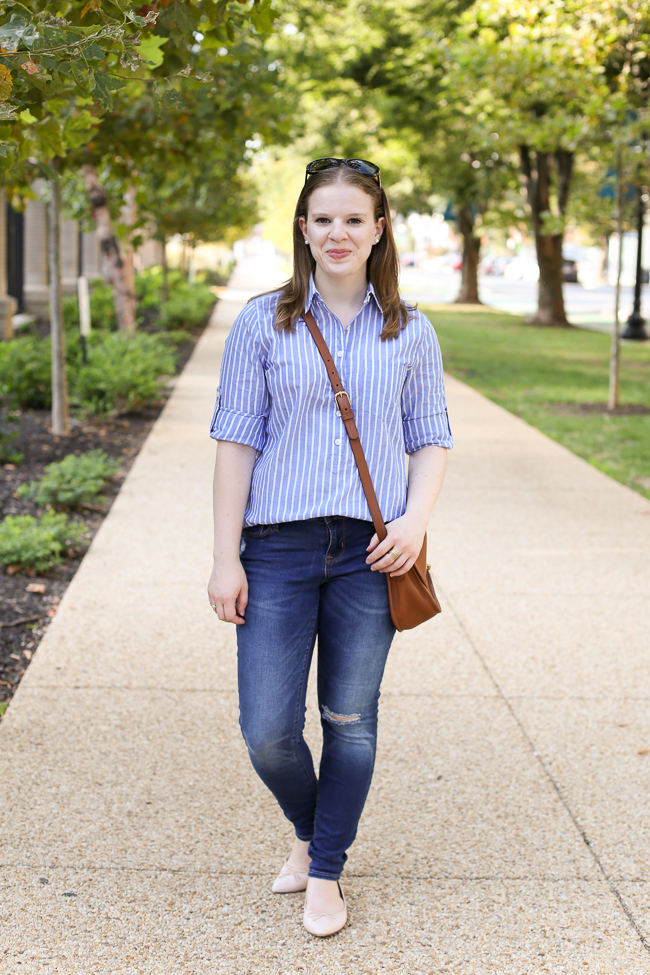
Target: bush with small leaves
(124,374)
(38,543)
(73,481)
(187,306)
(8,437)
(25,371)
(102,308)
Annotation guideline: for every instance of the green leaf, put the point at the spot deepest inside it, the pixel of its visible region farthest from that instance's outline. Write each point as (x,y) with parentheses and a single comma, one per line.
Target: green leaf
(27,117)
(17,31)
(49,172)
(178,19)
(150,49)
(104,85)
(78,74)
(262,16)
(4,148)
(95,53)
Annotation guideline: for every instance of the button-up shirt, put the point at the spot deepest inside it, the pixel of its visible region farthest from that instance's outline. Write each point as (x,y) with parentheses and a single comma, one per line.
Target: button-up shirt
(275,395)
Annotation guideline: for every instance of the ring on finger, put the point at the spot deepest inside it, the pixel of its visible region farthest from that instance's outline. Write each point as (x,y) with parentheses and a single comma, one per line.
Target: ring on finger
(213,607)
(393,554)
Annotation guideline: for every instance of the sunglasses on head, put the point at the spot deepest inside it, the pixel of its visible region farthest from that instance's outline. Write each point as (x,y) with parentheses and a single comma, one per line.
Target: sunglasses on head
(330,162)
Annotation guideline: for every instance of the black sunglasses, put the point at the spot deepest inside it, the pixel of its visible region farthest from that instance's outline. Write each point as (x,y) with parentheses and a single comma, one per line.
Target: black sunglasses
(330,162)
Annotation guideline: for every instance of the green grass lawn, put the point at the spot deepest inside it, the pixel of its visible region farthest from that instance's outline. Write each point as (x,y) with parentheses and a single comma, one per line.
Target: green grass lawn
(556,380)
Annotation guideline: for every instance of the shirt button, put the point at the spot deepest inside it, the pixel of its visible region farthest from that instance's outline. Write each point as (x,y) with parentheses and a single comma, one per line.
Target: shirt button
(338,412)
(337,442)
(339,354)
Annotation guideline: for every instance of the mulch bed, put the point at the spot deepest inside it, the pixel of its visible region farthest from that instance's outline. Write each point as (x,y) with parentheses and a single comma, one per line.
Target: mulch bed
(578,409)
(28,602)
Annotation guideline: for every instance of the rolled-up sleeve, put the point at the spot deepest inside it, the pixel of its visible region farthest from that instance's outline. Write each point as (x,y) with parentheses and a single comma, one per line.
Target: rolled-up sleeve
(424,404)
(242,405)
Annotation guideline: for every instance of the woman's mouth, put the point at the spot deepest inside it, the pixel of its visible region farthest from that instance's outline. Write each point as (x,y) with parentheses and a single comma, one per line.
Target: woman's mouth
(338,254)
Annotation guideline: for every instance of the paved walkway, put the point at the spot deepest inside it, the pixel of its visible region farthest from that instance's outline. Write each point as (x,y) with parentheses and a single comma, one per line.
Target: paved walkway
(507,830)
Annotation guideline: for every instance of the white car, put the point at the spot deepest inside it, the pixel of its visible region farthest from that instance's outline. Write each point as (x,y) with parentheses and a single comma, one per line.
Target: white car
(522,269)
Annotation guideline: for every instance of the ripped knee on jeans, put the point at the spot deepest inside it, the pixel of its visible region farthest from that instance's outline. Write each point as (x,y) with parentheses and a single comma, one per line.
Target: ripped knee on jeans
(334,718)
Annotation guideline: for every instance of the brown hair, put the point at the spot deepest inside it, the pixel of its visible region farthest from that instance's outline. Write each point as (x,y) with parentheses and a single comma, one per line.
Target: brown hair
(382,266)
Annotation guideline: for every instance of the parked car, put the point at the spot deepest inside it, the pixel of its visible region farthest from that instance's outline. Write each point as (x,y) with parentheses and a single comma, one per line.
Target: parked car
(495,266)
(569,270)
(522,268)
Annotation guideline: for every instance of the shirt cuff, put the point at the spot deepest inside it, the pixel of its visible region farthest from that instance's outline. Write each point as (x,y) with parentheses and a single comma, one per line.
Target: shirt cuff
(238,428)
(427,431)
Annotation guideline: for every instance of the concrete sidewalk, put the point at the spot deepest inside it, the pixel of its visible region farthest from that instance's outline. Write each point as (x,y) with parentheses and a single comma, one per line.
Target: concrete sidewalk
(507,827)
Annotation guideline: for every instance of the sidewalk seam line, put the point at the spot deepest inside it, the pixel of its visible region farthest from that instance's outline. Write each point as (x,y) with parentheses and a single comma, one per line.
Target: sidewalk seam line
(574,819)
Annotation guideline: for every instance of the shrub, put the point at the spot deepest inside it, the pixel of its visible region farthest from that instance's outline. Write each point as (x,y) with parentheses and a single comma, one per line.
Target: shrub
(124,373)
(187,306)
(72,481)
(8,437)
(37,543)
(102,307)
(25,371)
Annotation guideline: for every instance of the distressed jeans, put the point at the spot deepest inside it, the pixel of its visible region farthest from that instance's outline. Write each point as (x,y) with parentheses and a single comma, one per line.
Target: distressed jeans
(309,579)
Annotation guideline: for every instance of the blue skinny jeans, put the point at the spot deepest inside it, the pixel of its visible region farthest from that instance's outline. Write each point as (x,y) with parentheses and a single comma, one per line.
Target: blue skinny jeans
(309,579)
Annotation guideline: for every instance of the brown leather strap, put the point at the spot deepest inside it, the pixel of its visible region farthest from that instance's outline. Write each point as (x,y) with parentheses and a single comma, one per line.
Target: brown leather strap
(343,403)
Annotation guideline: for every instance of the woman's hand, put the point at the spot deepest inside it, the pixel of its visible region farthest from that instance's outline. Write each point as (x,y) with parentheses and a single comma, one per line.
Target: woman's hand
(405,536)
(228,591)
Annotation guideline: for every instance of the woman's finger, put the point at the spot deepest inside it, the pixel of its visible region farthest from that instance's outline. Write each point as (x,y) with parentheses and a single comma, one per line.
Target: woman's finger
(402,570)
(390,562)
(242,601)
(374,541)
(380,550)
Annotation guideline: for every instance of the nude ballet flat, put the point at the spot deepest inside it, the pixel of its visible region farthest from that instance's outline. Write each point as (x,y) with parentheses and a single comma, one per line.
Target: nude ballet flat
(323,925)
(290,879)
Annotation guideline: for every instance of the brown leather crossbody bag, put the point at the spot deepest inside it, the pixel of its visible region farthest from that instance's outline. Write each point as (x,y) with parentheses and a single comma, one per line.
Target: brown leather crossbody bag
(412,596)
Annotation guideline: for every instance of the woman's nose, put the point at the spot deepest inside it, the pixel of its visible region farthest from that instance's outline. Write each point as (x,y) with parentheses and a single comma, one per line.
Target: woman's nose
(338,232)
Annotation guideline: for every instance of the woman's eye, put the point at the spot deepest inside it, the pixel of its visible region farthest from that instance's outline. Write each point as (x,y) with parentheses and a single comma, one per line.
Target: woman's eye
(322,220)
(354,220)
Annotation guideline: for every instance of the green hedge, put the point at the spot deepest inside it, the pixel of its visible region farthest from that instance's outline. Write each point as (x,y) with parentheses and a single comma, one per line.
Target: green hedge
(124,373)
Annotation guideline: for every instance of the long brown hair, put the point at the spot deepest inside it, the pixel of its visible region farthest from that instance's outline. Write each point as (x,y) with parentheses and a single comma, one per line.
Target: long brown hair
(382,266)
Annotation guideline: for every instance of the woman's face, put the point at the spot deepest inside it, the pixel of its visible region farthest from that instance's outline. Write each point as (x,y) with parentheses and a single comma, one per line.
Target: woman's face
(341,228)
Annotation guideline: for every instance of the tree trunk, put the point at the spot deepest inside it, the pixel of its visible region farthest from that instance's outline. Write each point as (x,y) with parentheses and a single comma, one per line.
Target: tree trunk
(537,174)
(468,293)
(550,296)
(60,420)
(123,295)
(128,218)
(604,264)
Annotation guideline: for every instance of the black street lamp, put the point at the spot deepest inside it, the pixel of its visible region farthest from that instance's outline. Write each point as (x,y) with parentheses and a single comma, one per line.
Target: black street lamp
(635,328)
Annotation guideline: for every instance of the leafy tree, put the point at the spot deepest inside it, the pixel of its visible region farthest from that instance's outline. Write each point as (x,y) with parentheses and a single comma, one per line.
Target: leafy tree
(61,61)
(535,73)
(382,69)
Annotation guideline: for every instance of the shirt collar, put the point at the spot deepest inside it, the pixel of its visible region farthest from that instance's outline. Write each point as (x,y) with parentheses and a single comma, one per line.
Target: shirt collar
(313,293)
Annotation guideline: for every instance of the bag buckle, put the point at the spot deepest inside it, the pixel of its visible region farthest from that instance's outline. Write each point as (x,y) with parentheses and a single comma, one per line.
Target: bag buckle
(342,392)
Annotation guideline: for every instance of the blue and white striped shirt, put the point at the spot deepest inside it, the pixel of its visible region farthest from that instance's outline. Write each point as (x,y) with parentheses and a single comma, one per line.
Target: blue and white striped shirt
(275,395)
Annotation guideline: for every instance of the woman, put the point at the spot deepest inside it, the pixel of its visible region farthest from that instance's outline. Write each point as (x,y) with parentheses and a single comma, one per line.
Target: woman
(307,562)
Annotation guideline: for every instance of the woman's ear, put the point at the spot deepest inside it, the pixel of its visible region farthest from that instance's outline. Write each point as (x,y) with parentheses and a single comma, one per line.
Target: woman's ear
(379,227)
(302,223)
